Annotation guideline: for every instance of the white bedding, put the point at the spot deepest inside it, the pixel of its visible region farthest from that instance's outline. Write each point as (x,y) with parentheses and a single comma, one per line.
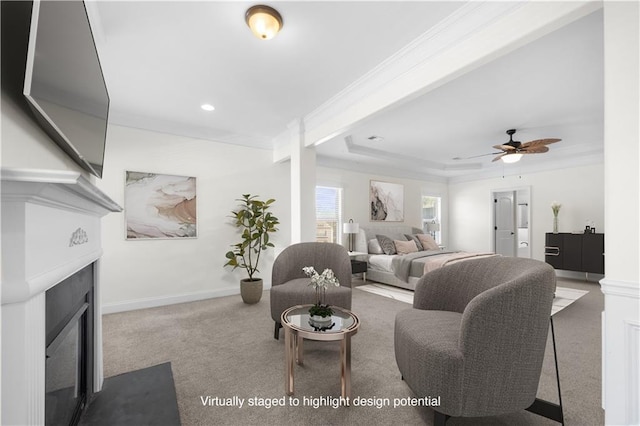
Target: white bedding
(384,262)
(381,262)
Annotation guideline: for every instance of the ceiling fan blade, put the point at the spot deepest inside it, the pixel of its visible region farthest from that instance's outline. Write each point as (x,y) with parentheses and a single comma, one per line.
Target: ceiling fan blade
(499,157)
(534,149)
(476,156)
(540,142)
(481,155)
(504,147)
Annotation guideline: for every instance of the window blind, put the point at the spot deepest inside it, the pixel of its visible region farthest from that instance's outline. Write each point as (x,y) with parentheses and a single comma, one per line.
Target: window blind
(328,214)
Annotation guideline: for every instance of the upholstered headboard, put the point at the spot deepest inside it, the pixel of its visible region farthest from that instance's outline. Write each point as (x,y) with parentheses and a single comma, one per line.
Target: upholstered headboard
(395,232)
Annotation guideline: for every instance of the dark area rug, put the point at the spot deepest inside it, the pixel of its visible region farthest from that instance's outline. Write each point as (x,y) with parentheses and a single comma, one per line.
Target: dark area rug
(140,397)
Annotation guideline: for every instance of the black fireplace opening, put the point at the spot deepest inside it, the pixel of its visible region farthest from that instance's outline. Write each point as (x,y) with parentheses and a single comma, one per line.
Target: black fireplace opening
(69,348)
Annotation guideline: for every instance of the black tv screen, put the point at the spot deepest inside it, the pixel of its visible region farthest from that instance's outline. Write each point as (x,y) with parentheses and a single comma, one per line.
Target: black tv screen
(64,84)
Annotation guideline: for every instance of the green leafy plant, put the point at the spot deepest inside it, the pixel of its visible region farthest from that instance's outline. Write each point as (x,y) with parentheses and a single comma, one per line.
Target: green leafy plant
(256,223)
(321,310)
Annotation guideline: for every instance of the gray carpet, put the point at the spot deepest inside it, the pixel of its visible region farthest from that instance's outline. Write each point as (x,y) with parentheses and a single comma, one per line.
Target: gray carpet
(222,348)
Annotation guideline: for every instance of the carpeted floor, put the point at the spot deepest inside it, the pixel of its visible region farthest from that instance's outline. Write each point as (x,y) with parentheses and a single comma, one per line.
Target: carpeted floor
(224,349)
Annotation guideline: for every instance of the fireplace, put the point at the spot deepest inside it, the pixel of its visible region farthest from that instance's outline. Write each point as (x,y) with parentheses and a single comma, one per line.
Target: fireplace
(69,357)
(51,316)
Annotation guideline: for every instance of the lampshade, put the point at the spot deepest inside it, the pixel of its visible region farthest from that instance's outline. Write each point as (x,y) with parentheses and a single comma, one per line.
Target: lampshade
(265,22)
(350,227)
(433,227)
(512,158)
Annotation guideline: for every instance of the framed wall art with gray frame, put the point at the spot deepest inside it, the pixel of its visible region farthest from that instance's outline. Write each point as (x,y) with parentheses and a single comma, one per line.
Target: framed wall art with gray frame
(386,201)
(159,206)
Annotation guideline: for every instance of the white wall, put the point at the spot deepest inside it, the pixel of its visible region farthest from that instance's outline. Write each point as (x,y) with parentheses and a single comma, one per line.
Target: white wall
(580,190)
(356,196)
(26,145)
(145,273)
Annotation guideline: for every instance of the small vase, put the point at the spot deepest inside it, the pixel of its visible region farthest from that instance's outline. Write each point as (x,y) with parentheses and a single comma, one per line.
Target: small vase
(555,224)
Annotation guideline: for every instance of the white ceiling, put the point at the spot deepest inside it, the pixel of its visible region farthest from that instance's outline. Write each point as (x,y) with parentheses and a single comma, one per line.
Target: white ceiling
(162,60)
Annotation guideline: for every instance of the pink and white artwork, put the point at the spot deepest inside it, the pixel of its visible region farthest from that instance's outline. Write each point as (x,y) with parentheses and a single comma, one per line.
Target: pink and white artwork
(386,201)
(160,206)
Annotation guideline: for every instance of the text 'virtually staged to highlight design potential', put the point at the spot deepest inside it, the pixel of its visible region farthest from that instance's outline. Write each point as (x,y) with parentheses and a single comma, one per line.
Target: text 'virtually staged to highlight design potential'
(301,213)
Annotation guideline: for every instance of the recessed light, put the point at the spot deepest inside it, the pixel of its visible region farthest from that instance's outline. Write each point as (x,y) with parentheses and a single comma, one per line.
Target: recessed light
(207,107)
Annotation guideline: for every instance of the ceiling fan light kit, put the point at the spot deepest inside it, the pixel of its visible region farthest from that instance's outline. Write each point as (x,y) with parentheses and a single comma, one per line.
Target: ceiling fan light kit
(265,22)
(512,158)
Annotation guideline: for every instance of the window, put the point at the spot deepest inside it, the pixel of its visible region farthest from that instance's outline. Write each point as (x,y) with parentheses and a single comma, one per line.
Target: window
(328,214)
(431,218)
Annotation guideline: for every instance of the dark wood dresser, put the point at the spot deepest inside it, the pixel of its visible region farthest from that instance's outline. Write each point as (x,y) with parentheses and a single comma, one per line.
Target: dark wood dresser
(575,252)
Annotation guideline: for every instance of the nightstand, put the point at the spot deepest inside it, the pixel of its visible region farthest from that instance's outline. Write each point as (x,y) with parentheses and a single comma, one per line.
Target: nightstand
(359,267)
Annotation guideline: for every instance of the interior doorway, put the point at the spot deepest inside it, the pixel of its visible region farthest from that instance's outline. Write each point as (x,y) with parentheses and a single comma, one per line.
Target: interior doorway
(511,222)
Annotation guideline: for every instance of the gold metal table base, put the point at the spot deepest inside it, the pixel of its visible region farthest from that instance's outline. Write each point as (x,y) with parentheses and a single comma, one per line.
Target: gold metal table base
(293,340)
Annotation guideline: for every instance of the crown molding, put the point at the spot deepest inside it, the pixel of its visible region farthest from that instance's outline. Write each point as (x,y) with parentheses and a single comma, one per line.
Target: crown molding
(157,125)
(417,162)
(352,166)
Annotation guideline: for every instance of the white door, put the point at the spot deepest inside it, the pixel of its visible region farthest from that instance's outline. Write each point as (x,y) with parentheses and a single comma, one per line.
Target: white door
(504,230)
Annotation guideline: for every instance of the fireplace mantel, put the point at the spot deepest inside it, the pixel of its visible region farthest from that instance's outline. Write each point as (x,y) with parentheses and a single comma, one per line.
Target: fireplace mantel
(50,229)
(51,226)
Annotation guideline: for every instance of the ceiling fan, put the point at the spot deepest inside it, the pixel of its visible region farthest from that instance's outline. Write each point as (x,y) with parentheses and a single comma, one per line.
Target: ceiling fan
(512,148)
(513,151)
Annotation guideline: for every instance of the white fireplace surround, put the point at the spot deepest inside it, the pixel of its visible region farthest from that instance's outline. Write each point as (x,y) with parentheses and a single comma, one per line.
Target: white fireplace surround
(50,230)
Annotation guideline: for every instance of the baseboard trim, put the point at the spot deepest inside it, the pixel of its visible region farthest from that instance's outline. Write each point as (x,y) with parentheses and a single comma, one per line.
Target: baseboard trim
(153,302)
(581,276)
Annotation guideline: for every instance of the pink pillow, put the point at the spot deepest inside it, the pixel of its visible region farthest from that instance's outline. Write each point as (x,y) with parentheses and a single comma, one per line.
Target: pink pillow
(428,242)
(405,247)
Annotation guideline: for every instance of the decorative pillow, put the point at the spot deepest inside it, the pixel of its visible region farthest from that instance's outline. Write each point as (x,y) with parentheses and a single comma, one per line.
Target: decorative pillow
(415,240)
(374,247)
(405,247)
(387,244)
(428,242)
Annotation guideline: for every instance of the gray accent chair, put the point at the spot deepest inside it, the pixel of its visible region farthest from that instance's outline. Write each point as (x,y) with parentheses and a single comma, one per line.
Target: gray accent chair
(476,336)
(290,286)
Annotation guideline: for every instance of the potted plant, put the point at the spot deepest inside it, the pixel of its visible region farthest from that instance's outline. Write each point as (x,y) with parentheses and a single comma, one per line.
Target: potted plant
(255,223)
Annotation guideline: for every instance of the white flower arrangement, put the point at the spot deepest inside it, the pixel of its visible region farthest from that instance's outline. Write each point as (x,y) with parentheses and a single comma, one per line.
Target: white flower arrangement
(555,207)
(324,280)
(320,283)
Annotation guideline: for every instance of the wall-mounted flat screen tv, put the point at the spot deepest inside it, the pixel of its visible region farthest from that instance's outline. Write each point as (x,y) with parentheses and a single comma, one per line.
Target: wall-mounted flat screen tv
(64,84)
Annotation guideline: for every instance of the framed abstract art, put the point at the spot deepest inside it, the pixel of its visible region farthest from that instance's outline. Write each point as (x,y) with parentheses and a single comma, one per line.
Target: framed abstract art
(159,206)
(386,202)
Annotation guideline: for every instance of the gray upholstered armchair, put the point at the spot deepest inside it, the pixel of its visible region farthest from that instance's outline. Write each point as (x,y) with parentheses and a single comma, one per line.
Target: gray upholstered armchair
(477,336)
(290,286)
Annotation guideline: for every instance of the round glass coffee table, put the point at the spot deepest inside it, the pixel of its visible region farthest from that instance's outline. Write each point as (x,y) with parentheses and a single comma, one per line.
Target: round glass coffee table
(298,326)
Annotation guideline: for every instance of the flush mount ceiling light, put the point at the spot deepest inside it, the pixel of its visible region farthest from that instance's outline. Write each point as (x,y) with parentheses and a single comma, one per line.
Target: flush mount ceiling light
(207,107)
(265,22)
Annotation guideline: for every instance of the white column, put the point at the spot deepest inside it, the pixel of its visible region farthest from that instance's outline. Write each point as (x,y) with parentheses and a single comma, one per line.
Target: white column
(303,184)
(621,285)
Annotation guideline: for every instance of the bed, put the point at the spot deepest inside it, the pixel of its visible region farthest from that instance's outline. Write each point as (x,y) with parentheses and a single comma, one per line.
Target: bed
(404,270)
